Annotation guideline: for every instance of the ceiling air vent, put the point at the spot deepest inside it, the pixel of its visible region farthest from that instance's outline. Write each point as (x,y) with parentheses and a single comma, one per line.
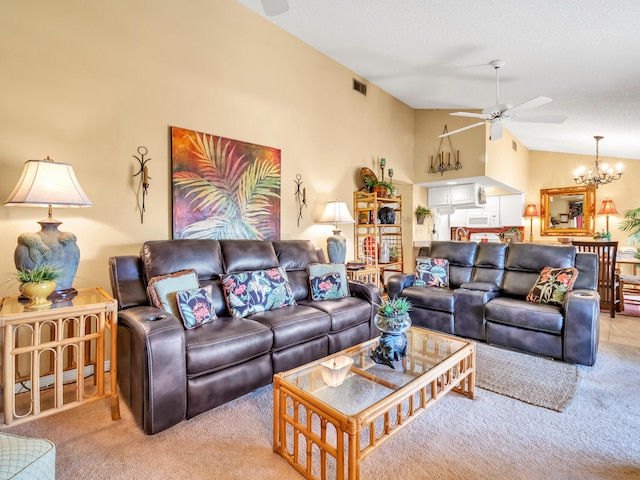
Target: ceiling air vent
(359,86)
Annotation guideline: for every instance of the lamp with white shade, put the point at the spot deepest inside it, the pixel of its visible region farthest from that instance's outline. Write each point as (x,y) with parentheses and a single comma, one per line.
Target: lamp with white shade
(45,183)
(336,213)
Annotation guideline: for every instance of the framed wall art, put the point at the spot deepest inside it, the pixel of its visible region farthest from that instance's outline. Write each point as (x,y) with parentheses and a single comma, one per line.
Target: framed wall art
(224,188)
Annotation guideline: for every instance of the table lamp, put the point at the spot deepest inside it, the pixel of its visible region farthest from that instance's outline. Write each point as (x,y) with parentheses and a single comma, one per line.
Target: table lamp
(336,212)
(607,208)
(530,212)
(45,183)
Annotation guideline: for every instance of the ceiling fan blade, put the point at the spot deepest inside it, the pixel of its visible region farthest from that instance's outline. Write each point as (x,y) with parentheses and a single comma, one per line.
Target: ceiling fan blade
(541,118)
(461,129)
(274,7)
(496,131)
(470,114)
(529,104)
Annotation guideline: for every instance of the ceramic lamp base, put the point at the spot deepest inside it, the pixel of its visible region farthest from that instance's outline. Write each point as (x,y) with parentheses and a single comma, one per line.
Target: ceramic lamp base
(337,247)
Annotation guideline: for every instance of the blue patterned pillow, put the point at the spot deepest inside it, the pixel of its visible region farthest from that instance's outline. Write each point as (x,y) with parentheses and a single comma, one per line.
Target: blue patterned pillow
(257,291)
(324,287)
(317,269)
(432,272)
(196,306)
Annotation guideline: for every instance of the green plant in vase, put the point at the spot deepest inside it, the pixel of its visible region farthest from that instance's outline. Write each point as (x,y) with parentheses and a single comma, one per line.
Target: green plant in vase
(393,315)
(603,236)
(37,284)
(392,320)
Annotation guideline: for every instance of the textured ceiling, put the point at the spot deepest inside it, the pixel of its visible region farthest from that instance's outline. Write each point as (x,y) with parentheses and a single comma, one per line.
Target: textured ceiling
(585,55)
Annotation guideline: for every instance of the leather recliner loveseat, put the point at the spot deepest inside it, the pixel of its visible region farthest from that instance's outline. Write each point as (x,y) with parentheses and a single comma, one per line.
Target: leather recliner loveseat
(167,373)
(486,298)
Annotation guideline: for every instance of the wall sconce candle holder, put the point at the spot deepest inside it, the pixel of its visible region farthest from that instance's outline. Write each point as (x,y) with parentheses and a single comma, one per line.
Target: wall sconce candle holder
(144,177)
(301,196)
(440,166)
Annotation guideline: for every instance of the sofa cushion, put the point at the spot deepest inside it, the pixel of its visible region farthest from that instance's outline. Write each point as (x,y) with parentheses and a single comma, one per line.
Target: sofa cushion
(326,286)
(247,293)
(226,342)
(531,316)
(344,312)
(433,298)
(196,306)
(552,285)
(163,288)
(295,324)
(432,272)
(318,269)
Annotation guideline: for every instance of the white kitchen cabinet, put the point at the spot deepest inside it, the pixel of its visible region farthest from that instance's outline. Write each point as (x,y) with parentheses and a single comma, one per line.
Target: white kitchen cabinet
(453,195)
(512,210)
(458,218)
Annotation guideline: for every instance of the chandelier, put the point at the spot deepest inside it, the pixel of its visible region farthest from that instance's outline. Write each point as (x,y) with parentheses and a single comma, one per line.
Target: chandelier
(597,176)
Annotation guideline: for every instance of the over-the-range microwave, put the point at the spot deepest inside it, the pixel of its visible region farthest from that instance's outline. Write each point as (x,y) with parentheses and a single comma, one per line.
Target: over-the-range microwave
(482,219)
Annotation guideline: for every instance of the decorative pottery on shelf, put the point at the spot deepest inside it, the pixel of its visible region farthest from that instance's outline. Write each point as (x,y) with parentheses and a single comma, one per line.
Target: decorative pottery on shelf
(393,321)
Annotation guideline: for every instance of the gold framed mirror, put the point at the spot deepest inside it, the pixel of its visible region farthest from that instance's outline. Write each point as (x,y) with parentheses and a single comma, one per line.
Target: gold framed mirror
(569,211)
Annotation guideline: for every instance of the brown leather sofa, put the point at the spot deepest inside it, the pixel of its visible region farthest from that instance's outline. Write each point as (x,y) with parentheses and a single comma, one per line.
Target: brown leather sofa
(488,284)
(167,373)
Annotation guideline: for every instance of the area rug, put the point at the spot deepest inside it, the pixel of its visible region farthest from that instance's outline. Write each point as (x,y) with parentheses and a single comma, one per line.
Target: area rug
(536,380)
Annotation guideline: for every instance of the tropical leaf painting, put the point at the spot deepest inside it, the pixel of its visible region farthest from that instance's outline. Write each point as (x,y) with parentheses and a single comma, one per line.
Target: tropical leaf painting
(224,188)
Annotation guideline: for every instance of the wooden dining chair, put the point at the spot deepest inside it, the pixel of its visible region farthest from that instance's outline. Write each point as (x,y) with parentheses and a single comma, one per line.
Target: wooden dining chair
(608,276)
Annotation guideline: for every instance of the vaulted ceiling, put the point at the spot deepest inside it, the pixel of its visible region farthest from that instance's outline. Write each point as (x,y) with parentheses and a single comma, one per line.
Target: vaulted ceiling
(434,54)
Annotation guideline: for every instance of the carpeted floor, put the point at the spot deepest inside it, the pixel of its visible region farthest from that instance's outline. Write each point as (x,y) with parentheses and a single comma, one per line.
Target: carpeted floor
(492,437)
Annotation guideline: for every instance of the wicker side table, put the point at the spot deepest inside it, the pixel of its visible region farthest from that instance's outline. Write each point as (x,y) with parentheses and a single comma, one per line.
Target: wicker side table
(56,349)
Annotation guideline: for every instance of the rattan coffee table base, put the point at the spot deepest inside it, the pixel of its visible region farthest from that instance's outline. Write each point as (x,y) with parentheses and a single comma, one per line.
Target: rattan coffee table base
(321,442)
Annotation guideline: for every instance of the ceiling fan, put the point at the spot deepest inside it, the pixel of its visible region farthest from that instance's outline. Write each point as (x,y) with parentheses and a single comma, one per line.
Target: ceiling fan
(499,112)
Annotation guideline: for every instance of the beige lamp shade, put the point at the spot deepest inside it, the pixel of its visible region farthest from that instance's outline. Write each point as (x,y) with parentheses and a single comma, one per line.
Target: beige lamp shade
(335,213)
(44,183)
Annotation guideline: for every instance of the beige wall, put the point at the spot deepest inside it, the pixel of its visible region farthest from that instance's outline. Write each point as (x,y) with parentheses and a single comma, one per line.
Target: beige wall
(470,143)
(553,170)
(88,82)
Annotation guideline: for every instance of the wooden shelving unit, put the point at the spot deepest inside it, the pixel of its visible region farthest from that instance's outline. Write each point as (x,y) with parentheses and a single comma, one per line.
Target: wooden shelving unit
(374,239)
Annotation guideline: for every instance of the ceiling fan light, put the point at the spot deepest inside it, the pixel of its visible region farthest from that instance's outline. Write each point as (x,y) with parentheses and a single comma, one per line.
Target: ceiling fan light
(274,7)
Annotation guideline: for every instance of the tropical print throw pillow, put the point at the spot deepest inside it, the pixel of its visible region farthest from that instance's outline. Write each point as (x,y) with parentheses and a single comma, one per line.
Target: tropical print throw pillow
(196,306)
(432,272)
(552,285)
(327,286)
(257,291)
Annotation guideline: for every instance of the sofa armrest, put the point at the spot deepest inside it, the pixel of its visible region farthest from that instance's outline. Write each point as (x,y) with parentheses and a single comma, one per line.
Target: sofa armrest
(397,283)
(581,326)
(371,294)
(152,371)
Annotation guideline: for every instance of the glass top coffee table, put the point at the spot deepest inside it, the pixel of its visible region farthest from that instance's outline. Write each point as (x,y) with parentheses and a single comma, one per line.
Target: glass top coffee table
(332,413)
